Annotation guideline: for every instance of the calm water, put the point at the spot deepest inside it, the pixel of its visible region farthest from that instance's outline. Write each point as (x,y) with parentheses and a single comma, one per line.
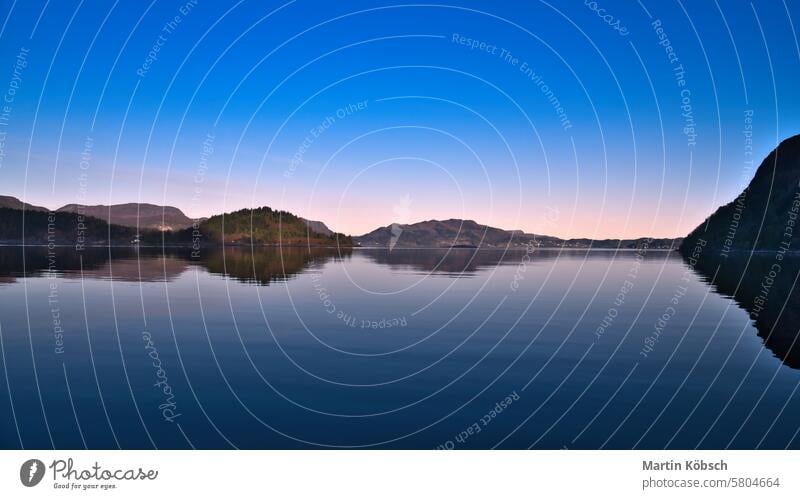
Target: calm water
(406,349)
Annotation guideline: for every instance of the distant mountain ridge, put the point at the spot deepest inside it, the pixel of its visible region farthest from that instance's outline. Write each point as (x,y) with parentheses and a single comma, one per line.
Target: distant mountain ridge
(141,215)
(76,227)
(317,226)
(267,226)
(136,215)
(469,233)
(16,204)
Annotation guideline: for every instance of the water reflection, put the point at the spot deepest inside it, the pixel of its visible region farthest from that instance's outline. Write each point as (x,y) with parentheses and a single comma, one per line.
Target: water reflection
(767,288)
(763,286)
(466,262)
(263,265)
(260,266)
(307,355)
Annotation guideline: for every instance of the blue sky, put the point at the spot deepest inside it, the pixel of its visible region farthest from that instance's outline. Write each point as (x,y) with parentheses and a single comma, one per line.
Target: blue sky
(562,118)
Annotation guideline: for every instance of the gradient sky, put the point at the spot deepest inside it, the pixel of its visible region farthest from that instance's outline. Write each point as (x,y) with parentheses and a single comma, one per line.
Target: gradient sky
(365,113)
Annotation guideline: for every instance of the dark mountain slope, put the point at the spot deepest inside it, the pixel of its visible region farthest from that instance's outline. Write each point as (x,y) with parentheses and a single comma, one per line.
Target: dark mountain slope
(763,216)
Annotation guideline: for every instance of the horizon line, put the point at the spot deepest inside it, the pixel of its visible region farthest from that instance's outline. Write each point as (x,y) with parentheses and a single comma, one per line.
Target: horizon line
(195,219)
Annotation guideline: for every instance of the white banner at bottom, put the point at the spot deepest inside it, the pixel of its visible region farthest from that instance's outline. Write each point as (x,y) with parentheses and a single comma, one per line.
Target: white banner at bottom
(400,474)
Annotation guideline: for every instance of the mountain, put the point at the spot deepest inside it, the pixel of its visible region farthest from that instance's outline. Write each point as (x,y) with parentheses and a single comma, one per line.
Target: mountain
(763,216)
(318,227)
(436,234)
(266,226)
(16,204)
(117,225)
(141,215)
(45,227)
(261,226)
(468,233)
(637,243)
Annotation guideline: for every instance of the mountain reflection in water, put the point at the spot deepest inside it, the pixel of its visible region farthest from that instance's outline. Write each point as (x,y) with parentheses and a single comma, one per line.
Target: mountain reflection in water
(767,288)
(270,348)
(262,264)
(770,296)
